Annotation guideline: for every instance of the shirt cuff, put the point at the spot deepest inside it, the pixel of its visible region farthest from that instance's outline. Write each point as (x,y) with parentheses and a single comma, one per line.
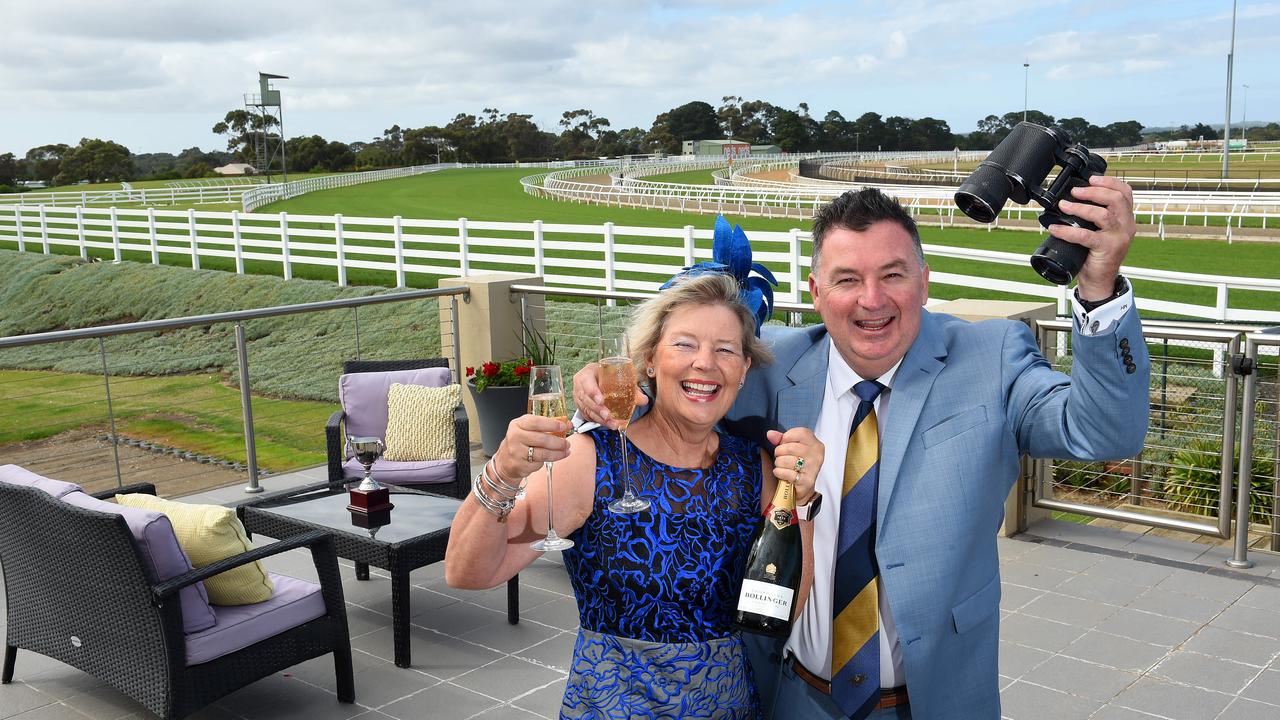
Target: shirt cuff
(1104,318)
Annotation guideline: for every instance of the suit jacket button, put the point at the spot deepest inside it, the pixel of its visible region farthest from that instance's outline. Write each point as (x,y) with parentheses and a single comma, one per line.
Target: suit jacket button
(858,679)
(1130,368)
(1124,344)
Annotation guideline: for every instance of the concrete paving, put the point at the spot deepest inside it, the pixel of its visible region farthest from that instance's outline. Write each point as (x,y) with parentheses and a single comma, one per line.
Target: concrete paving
(1095,623)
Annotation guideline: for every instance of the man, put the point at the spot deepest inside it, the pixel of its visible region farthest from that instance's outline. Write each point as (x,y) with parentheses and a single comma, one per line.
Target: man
(906,587)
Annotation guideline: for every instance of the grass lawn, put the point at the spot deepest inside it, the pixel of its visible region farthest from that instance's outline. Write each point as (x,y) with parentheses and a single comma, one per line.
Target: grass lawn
(194,412)
(689,177)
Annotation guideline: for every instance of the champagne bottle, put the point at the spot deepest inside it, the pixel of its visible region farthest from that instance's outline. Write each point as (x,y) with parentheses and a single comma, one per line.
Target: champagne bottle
(772,578)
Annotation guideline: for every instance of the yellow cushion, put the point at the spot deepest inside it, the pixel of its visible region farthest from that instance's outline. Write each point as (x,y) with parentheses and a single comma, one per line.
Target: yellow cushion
(420,422)
(207,534)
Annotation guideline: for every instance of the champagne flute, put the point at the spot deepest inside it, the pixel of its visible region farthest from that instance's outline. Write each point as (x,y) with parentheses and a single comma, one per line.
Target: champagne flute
(546,398)
(617,378)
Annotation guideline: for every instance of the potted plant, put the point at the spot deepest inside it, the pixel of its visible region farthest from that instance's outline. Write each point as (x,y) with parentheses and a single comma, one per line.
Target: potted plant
(500,389)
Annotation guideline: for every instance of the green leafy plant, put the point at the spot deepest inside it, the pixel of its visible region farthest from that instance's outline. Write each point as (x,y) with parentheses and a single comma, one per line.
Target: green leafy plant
(1193,481)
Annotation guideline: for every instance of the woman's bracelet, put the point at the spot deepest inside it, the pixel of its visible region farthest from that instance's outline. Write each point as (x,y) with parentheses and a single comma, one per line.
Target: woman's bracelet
(496,508)
(499,483)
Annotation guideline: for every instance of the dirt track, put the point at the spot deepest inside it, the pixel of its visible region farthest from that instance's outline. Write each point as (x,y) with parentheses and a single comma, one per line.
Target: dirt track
(80,457)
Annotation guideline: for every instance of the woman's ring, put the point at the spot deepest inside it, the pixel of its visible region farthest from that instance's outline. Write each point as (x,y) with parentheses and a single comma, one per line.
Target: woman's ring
(799,465)
(528,455)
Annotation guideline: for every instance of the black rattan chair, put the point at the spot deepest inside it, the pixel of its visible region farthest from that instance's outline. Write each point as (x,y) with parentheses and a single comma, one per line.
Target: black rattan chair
(335,436)
(79,592)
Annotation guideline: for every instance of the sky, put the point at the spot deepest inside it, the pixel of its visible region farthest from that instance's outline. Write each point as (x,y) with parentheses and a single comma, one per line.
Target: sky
(155,75)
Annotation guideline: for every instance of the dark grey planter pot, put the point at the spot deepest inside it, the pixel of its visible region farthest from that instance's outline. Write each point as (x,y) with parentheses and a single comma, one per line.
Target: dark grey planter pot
(497,407)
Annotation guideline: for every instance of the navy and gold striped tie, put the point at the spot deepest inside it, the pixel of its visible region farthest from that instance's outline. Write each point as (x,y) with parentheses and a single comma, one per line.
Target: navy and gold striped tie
(855,645)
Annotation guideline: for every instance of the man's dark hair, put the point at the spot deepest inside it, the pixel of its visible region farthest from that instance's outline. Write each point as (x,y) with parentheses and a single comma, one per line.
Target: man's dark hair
(858,210)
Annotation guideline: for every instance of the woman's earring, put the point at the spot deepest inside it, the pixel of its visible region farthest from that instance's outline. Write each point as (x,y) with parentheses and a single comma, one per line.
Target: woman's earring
(742,382)
(649,371)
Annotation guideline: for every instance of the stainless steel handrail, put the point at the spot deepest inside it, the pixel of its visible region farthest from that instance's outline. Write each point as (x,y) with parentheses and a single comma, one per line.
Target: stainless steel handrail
(212,318)
(1156,331)
(242,359)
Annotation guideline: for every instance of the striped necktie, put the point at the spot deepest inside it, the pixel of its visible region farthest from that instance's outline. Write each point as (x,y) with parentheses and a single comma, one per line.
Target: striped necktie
(855,645)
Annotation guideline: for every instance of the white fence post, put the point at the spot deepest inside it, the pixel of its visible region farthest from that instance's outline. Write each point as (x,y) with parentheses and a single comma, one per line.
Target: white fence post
(538,259)
(235,238)
(44,230)
(464,262)
(284,245)
(341,250)
(195,247)
(115,236)
(155,242)
(399,230)
(84,250)
(17,222)
(610,274)
(795,265)
(688,245)
(1220,307)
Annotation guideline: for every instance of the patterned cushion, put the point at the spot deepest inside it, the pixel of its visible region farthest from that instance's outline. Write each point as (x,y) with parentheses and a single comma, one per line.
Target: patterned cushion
(420,422)
(364,396)
(160,550)
(209,533)
(15,475)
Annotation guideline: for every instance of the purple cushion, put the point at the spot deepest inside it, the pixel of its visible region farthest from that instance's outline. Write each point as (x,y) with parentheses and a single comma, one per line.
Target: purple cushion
(239,626)
(15,475)
(160,550)
(417,472)
(364,396)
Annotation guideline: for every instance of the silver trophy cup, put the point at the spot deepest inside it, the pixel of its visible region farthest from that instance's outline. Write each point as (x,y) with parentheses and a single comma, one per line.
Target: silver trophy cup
(367,450)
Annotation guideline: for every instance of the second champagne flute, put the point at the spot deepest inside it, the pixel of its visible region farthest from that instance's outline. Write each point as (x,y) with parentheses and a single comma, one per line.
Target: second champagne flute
(546,398)
(618,385)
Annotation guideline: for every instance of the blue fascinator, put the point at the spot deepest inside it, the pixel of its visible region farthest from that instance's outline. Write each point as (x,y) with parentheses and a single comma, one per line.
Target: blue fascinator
(731,255)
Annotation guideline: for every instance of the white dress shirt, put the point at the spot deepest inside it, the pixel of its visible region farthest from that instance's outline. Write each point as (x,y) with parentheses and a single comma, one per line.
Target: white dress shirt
(811,638)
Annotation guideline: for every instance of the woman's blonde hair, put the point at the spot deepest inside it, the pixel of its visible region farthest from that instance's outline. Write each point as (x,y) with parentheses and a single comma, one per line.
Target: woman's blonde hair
(650,317)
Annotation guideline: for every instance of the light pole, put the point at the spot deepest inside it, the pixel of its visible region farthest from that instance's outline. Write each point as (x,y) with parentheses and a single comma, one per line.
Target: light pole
(1026,81)
(1226,126)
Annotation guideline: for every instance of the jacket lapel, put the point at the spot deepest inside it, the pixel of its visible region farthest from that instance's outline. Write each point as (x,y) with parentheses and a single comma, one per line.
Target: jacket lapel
(798,405)
(911,386)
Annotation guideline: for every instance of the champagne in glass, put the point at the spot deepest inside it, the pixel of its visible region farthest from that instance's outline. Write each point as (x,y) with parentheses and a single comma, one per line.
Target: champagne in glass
(617,379)
(546,399)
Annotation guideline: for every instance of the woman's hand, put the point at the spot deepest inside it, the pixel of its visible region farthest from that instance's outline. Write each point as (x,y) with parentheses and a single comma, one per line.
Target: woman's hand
(797,458)
(531,441)
(590,401)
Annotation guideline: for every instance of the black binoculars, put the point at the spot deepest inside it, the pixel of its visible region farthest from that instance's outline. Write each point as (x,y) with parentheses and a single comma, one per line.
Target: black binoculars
(1015,170)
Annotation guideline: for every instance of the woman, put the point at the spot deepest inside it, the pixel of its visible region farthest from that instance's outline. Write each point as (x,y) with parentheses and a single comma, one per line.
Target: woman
(656,590)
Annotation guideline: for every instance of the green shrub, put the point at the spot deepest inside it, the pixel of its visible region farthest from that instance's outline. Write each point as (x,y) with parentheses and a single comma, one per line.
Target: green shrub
(1194,480)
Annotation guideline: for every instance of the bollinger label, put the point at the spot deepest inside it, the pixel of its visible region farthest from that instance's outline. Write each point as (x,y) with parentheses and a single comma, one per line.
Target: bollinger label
(766,599)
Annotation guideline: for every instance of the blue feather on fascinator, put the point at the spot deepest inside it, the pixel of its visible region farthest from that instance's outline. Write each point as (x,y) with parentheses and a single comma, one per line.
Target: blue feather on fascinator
(731,255)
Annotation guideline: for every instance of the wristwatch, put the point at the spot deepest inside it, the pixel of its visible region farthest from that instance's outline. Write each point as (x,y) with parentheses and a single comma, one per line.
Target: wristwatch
(809,510)
(1121,287)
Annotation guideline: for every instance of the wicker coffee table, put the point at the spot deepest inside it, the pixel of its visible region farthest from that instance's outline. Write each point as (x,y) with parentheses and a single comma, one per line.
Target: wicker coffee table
(415,536)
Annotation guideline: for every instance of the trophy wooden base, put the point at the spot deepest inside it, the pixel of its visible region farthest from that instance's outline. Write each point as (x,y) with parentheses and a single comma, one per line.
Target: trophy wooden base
(370,501)
(370,520)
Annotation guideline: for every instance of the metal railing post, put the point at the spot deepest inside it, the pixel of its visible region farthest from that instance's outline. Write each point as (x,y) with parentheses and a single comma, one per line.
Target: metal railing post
(457,341)
(1246,365)
(246,410)
(111,416)
(355,321)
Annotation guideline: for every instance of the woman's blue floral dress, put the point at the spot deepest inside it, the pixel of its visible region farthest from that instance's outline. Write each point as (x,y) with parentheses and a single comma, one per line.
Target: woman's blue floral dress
(657,589)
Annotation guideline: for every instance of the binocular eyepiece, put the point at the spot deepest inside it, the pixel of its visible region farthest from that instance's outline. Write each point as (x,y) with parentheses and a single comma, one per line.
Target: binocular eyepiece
(1015,171)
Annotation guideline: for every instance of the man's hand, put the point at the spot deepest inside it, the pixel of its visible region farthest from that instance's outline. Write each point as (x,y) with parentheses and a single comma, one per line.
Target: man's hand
(1107,245)
(590,401)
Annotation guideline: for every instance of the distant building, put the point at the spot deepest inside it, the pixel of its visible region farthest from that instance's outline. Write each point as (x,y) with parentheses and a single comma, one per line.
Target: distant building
(716,148)
(765,150)
(235,169)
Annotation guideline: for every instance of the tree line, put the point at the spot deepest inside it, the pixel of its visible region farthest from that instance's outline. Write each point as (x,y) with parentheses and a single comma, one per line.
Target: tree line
(494,136)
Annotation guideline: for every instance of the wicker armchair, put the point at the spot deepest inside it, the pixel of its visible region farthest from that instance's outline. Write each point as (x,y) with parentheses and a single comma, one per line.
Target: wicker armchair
(79,591)
(457,484)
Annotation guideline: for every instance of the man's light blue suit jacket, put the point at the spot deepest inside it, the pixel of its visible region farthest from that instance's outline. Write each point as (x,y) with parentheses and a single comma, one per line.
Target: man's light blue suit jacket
(968,400)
